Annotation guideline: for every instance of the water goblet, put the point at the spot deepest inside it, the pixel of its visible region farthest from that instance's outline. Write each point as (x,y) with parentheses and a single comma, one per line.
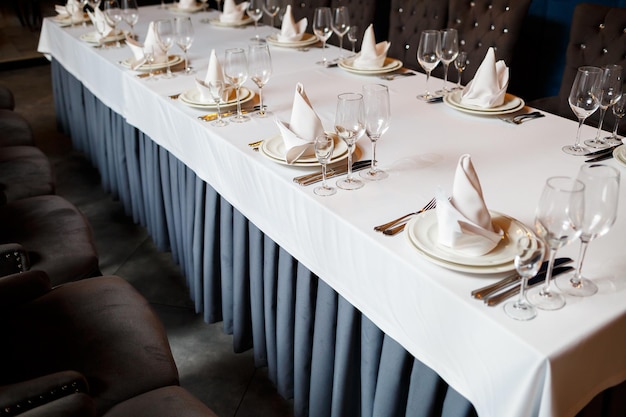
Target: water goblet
(619,109)
(148,53)
(260,70)
(165,34)
(236,71)
(448,51)
(377,113)
(427,57)
(130,14)
(216,90)
(601,196)
(528,258)
(341,25)
(610,91)
(255,11)
(557,221)
(353,37)
(184,38)
(324,145)
(583,100)
(271,7)
(322,27)
(350,126)
(460,63)
(113,15)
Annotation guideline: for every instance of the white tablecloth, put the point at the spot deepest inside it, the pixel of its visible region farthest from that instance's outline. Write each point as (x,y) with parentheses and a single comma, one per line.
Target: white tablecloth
(552,365)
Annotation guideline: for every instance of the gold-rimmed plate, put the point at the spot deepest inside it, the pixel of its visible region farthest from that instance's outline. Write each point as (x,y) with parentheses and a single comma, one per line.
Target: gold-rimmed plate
(274,149)
(243,22)
(171,61)
(511,105)
(193,98)
(94,37)
(390,65)
(307,40)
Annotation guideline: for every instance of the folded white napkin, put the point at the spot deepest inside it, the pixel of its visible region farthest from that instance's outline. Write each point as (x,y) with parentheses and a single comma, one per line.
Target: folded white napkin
(304,126)
(99,21)
(186,4)
(488,88)
(372,54)
(290,31)
(464,221)
(233,12)
(64,11)
(151,42)
(214,73)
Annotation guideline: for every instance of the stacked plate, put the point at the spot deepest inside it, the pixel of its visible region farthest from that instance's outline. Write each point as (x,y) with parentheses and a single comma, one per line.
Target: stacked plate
(63,20)
(619,154)
(94,37)
(274,149)
(193,98)
(244,21)
(423,234)
(171,61)
(389,65)
(511,105)
(307,40)
(194,8)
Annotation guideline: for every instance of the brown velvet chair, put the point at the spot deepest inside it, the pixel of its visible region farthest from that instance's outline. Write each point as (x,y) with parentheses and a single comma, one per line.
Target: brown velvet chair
(362,14)
(25,171)
(306,8)
(7,100)
(15,129)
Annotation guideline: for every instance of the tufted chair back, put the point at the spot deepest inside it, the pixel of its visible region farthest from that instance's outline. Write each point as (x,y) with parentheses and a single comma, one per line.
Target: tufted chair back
(362,13)
(407,19)
(486,23)
(304,8)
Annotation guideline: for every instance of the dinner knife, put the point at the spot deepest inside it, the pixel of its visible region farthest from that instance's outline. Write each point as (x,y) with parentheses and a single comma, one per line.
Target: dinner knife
(356,166)
(329,171)
(601,151)
(602,157)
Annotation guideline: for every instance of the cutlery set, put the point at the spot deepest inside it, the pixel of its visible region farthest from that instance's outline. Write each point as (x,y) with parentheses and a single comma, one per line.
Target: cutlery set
(520,118)
(213,116)
(309,179)
(392,228)
(600,155)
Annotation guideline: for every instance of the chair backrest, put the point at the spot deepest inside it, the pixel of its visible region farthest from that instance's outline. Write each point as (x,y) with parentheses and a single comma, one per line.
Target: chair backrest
(362,14)
(305,8)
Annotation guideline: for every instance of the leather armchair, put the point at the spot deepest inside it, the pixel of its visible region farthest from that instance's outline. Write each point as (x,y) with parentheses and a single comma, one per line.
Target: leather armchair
(14,129)
(25,171)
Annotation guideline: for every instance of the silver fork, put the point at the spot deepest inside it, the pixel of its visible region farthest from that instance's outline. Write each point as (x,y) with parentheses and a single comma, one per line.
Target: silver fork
(521,117)
(383,227)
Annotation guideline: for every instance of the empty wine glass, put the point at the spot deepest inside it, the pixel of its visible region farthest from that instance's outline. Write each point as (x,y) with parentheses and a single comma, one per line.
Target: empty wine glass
(583,100)
(113,15)
(460,63)
(148,53)
(377,113)
(255,11)
(72,9)
(165,35)
(236,71)
(353,37)
(610,91)
(427,57)
(324,145)
(619,109)
(448,51)
(350,126)
(601,196)
(184,38)
(528,258)
(216,90)
(341,25)
(130,13)
(557,221)
(272,7)
(260,70)
(322,27)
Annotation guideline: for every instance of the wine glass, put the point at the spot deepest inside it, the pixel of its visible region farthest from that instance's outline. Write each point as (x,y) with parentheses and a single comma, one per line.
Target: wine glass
(460,63)
(130,14)
(583,100)
(324,145)
(350,126)
(322,27)
(113,15)
(216,90)
(148,53)
(165,34)
(271,7)
(448,51)
(353,37)
(72,9)
(601,196)
(255,11)
(341,25)
(610,91)
(236,70)
(427,57)
(557,221)
(260,70)
(619,108)
(528,258)
(184,38)
(377,113)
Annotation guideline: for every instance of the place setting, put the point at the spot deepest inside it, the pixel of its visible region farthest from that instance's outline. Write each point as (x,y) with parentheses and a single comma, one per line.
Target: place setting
(186,7)
(233,15)
(372,59)
(70,14)
(292,34)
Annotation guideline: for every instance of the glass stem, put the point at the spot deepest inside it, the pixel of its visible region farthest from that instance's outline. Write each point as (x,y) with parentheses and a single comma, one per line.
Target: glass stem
(186,62)
(602,111)
(219,112)
(614,135)
(545,291)
(445,76)
(580,124)
(238,104)
(427,78)
(353,46)
(576,279)
(522,290)
(349,177)
(373,167)
(261,109)
(341,45)
(324,176)
(458,82)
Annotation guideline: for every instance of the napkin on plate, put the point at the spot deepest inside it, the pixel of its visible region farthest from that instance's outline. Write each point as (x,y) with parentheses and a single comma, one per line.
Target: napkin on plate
(290,31)
(186,4)
(233,12)
(304,126)
(214,73)
(488,88)
(151,42)
(464,221)
(372,54)
(99,21)
(63,11)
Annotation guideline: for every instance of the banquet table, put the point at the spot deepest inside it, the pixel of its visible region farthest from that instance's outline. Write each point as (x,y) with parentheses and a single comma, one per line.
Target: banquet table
(349,321)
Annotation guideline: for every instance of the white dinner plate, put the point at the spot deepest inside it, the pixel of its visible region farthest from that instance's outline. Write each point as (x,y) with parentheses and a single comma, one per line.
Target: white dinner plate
(422,233)
(193,98)
(66,21)
(193,9)
(511,104)
(389,65)
(171,61)
(307,39)
(94,37)
(274,149)
(619,154)
(246,20)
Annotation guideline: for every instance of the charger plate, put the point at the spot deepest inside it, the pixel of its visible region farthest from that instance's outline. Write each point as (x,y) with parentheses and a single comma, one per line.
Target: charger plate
(274,149)
(511,105)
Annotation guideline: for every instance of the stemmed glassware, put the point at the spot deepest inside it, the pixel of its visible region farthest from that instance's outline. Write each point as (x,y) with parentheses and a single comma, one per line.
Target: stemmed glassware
(271,7)
(130,13)
(448,51)
(619,109)
(322,27)
(216,90)
(165,35)
(184,38)
(583,100)
(255,11)
(148,52)
(460,63)
(324,145)
(427,57)
(236,71)
(350,126)
(72,8)
(610,91)
(601,196)
(377,113)
(260,70)
(353,37)
(528,259)
(341,25)
(557,221)
(113,15)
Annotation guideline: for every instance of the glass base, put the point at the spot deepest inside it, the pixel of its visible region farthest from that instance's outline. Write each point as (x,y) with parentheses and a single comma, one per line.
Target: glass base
(240,119)
(373,175)
(584,288)
(263,113)
(597,143)
(520,310)
(575,150)
(220,123)
(350,184)
(545,300)
(325,191)
(429,96)
(613,141)
(189,71)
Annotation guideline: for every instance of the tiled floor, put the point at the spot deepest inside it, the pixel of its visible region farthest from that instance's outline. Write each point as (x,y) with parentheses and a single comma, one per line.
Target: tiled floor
(228,382)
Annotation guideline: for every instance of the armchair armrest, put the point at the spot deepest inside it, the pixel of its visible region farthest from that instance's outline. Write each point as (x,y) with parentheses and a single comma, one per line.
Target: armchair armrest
(13,259)
(17,289)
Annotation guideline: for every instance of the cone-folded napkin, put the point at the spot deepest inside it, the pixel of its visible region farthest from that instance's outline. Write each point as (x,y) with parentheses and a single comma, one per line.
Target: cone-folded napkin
(372,54)
(233,12)
(151,42)
(290,31)
(488,88)
(214,73)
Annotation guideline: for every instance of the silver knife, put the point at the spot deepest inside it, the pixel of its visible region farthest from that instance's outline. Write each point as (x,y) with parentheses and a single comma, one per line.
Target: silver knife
(537,280)
(357,166)
(608,155)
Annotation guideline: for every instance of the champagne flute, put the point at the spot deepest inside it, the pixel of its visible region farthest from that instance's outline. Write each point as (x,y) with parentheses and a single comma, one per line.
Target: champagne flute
(271,7)
(583,100)
(113,15)
(255,11)
(130,13)
(377,113)
(448,51)
(324,145)
(260,70)
(601,196)
(610,91)
(322,27)
(216,90)
(236,70)
(557,221)
(165,35)
(353,34)
(619,109)
(427,57)
(350,126)
(184,38)
(460,63)
(528,259)
(341,25)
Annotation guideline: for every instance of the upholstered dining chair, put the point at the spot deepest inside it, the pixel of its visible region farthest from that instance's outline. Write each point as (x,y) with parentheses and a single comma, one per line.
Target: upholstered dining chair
(306,8)
(25,171)
(362,14)
(7,100)
(14,129)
